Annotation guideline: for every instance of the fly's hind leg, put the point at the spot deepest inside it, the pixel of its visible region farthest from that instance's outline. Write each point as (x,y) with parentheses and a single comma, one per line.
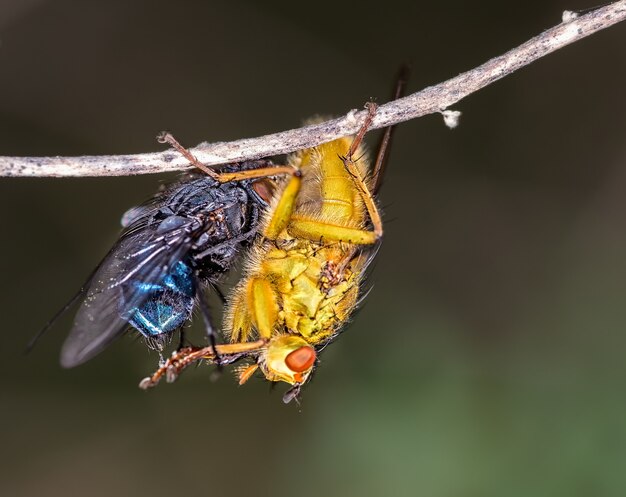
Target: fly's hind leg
(381,157)
(350,165)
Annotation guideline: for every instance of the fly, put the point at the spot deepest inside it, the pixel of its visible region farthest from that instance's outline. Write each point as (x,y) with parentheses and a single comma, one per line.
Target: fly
(173,248)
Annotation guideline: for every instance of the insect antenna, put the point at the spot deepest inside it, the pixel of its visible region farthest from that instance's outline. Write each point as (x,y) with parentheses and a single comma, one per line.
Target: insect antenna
(385,141)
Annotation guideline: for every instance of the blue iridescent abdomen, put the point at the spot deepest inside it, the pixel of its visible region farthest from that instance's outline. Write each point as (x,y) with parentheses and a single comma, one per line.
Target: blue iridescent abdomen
(169,303)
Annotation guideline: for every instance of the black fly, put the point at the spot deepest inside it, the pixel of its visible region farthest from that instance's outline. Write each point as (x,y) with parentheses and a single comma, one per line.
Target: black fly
(175,246)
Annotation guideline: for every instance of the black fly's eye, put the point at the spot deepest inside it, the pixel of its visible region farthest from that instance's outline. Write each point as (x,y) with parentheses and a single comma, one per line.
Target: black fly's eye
(264,188)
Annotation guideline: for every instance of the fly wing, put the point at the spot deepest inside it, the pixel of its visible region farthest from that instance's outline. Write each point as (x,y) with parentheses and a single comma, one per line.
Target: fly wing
(141,254)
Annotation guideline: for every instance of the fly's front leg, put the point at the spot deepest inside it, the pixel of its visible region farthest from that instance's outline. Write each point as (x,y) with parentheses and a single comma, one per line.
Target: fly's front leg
(262,172)
(282,214)
(181,359)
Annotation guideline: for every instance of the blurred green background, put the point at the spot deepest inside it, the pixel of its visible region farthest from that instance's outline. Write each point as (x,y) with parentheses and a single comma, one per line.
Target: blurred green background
(489,357)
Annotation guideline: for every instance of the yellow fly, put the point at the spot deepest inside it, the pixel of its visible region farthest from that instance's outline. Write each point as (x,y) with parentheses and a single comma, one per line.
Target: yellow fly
(303,275)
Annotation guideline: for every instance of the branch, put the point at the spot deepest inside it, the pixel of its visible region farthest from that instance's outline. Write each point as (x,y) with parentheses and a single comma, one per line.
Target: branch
(428,101)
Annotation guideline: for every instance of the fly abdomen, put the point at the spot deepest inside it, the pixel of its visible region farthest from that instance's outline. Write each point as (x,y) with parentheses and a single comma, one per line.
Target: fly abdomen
(168,303)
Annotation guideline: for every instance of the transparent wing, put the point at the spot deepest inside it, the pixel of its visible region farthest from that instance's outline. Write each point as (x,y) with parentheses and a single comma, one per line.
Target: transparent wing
(141,254)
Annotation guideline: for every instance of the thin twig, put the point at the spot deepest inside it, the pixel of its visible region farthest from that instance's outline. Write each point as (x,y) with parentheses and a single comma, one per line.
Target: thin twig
(430,100)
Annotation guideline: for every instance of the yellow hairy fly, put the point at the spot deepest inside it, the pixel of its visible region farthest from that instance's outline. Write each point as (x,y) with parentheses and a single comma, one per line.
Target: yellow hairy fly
(303,275)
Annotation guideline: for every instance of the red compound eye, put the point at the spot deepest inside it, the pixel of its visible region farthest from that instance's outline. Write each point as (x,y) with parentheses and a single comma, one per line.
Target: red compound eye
(264,189)
(300,359)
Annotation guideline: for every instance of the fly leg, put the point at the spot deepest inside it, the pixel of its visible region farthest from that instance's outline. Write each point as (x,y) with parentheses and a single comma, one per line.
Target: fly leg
(232,241)
(350,165)
(261,172)
(210,330)
(311,229)
(180,359)
(315,230)
(381,156)
(256,302)
(181,340)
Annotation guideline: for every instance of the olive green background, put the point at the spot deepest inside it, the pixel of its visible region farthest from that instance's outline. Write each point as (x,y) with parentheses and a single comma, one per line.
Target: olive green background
(488,359)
